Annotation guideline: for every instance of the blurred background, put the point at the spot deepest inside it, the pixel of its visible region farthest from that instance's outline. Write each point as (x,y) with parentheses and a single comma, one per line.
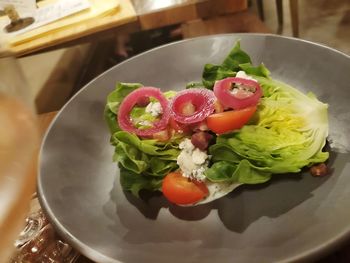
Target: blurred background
(53,80)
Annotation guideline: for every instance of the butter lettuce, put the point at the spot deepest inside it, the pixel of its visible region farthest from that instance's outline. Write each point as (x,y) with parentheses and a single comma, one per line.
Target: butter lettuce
(236,60)
(287,133)
(133,182)
(140,116)
(143,162)
(113,102)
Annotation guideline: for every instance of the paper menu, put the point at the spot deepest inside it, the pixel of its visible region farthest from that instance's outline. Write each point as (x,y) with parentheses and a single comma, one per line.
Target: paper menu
(23,7)
(48,14)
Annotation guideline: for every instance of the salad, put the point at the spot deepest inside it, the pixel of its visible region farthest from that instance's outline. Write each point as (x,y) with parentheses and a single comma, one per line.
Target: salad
(238,126)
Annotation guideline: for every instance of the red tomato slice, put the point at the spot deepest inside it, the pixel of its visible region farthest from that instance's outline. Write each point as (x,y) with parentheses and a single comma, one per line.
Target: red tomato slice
(180,190)
(229,120)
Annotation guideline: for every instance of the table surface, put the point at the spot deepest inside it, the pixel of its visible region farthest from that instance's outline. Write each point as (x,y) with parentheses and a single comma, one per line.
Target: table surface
(143,7)
(122,15)
(130,16)
(154,14)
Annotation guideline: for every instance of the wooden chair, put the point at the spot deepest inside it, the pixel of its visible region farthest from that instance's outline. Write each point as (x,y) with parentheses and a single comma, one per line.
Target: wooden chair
(242,22)
(293,5)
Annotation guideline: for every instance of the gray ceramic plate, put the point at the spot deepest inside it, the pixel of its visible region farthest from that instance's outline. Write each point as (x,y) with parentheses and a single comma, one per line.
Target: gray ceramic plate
(291,218)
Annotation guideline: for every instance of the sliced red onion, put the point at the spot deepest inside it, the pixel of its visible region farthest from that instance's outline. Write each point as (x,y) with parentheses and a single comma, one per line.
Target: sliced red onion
(124,120)
(222,90)
(202,100)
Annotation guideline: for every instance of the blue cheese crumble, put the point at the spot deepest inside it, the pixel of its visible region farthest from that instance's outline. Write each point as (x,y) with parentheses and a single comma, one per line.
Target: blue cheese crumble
(154,108)
(192,161)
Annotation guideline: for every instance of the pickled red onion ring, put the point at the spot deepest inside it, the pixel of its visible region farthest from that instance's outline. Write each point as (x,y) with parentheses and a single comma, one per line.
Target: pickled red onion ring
(202,100)
(124,119)
(227,99)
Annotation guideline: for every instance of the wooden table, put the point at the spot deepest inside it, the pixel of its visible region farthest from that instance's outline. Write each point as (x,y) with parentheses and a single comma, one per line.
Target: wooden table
(131,16)
(155,14)
(123,15)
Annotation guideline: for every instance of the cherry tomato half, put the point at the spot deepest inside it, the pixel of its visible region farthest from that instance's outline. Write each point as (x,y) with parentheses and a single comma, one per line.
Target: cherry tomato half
(229,120)
(180,190)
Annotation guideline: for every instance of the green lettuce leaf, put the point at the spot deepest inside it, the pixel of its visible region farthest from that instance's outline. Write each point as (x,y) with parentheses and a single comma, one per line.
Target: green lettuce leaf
(260,70)
(164,150)
(236,57)
(121,91)
(140,116)
(134,182)
(143,162)
(111,120)
(236,60)
(288,133)
(213,73)
(169,94)
(113,102)
(242,172)
(145,158)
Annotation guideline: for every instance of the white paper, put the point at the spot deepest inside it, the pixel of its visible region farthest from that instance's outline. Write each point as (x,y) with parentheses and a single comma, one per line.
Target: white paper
(23,7)
(50,13)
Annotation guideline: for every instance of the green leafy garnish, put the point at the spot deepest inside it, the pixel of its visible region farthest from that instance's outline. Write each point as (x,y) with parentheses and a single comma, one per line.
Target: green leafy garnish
(236,60)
